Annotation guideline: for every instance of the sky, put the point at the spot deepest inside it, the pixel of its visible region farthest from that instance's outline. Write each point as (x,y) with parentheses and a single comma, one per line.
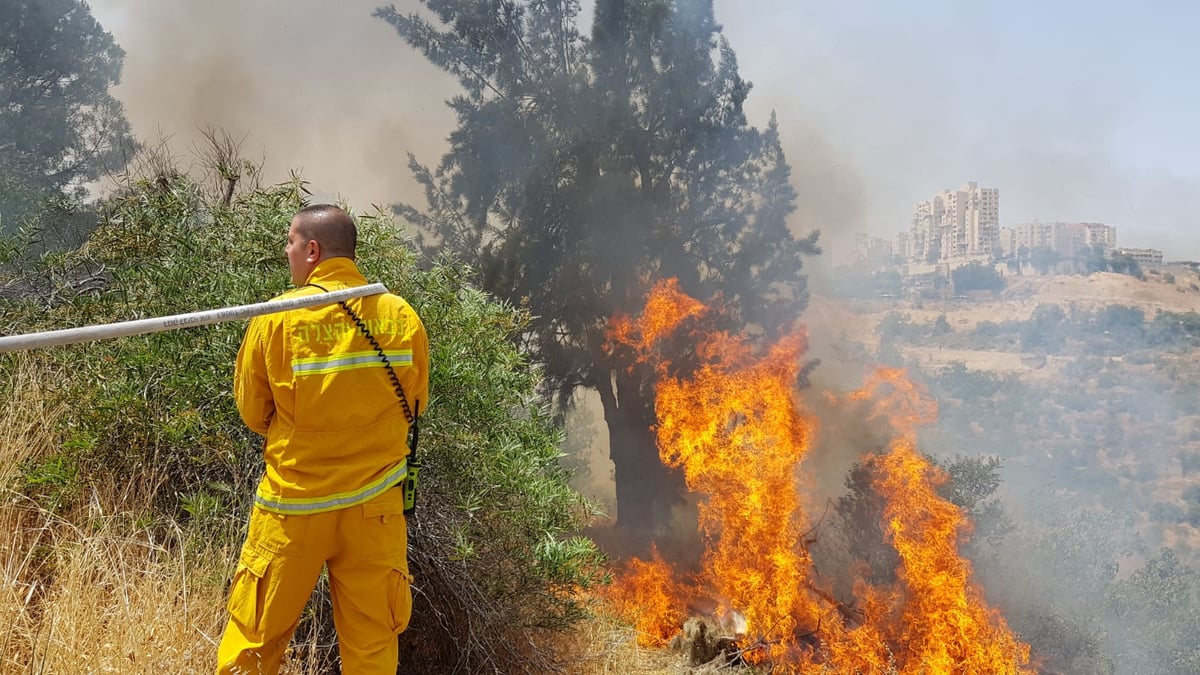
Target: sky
(1076,112)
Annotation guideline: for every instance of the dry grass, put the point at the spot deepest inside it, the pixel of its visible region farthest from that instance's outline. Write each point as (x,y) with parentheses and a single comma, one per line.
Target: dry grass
(94,591)
(100,598)
(603,645)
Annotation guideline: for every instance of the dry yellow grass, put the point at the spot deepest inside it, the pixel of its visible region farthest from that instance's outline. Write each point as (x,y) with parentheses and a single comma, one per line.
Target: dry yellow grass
(95,598)
(92,591)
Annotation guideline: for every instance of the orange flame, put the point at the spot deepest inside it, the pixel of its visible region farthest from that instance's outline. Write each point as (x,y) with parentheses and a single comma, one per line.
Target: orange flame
(649,592)
(739,434)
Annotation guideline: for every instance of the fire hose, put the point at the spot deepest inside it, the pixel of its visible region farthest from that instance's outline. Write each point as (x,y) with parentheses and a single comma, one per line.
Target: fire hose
(66,336)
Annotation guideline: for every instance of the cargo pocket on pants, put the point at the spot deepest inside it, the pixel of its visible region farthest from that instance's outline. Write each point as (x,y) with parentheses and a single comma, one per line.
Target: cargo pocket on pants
(400,600)
(248,592)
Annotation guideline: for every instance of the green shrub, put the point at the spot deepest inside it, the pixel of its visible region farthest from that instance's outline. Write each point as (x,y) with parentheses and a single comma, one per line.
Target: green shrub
(492,547)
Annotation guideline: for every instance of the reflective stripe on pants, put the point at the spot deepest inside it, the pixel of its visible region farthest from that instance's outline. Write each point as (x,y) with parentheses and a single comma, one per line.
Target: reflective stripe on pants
(365,547)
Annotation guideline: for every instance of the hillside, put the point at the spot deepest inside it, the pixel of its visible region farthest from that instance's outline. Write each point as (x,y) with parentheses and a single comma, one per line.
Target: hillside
(1109,418)
(1086,390)
(834,321)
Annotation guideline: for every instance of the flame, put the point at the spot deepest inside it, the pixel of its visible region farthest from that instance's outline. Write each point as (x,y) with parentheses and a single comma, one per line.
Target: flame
(736,429)
(649,592)
(946,624)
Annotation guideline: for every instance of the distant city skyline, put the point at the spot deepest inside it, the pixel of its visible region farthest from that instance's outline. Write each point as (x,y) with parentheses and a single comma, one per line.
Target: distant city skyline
(963,225)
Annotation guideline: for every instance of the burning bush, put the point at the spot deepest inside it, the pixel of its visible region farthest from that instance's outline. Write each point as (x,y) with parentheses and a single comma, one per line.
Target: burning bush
(735,427)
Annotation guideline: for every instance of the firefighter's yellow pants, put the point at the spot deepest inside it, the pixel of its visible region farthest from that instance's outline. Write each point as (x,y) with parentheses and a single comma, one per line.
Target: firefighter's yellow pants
(365,547)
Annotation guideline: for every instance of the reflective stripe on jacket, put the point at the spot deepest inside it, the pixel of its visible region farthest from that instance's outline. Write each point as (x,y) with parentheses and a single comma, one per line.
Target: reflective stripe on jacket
(311,382)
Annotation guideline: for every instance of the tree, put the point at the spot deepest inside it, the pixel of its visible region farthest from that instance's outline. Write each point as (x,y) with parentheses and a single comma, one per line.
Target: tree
(582,172)
(1123,263)
(1046,330)
(977,277)
(1044,258)
(934,253)
(1095,258)
(1156,607)
(858,525)
(59,125)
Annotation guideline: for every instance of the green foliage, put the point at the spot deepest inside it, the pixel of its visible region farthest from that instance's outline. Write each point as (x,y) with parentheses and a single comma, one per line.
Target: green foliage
(1123,263)
(493,543)
(941,326)
(859,526)
(1190,462)
(1100,435)
(1191,497)
(1001,336)
(1045,331)
(1057,567)
(977,277)
(1122,322)
(1158,608)
(1174,329)
(972,487)
(158,406)
(1095,259)
(899,327)
(1113,329)
(59,126)
(957,382)
(1044,258)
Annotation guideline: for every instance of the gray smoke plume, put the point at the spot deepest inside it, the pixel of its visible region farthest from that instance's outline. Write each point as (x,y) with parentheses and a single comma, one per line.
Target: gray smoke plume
(318,87)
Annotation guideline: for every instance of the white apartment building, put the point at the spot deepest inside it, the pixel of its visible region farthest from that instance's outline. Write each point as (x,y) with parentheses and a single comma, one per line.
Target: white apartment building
(1006,241)
(1034,235)
(954,224)
(1145,257)
(875,251)
(1066,239)
(1099,234)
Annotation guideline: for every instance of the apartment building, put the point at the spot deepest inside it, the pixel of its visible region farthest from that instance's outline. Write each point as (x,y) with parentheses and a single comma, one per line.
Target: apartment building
(1067,239)
(1099,234)
(875,251)
(954,224)
(1145,257)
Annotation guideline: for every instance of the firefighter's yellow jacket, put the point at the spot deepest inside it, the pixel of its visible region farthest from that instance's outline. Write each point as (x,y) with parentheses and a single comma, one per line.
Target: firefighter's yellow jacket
(310,381)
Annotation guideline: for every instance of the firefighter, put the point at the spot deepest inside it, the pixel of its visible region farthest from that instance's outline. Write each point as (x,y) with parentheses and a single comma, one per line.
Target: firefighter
(335,417)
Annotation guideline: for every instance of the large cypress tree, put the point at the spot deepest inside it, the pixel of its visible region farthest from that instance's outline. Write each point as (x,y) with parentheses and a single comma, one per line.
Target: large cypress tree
(583,171)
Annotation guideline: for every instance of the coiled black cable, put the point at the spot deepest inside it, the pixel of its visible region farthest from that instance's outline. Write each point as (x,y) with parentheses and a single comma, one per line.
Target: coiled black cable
(408,412)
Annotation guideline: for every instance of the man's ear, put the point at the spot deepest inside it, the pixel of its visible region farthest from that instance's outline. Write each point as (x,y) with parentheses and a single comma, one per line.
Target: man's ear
(314,251)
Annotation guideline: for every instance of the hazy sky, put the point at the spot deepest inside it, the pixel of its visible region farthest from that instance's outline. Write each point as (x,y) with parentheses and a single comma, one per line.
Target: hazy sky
(1076,111)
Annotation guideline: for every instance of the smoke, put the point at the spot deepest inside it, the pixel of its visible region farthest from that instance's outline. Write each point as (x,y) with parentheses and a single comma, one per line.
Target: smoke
(322,88)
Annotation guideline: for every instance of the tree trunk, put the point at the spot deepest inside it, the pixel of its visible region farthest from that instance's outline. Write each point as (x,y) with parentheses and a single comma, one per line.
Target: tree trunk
(649,494)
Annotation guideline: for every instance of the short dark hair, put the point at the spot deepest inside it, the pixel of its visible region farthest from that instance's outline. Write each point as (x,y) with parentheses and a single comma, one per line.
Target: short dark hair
(331,226)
